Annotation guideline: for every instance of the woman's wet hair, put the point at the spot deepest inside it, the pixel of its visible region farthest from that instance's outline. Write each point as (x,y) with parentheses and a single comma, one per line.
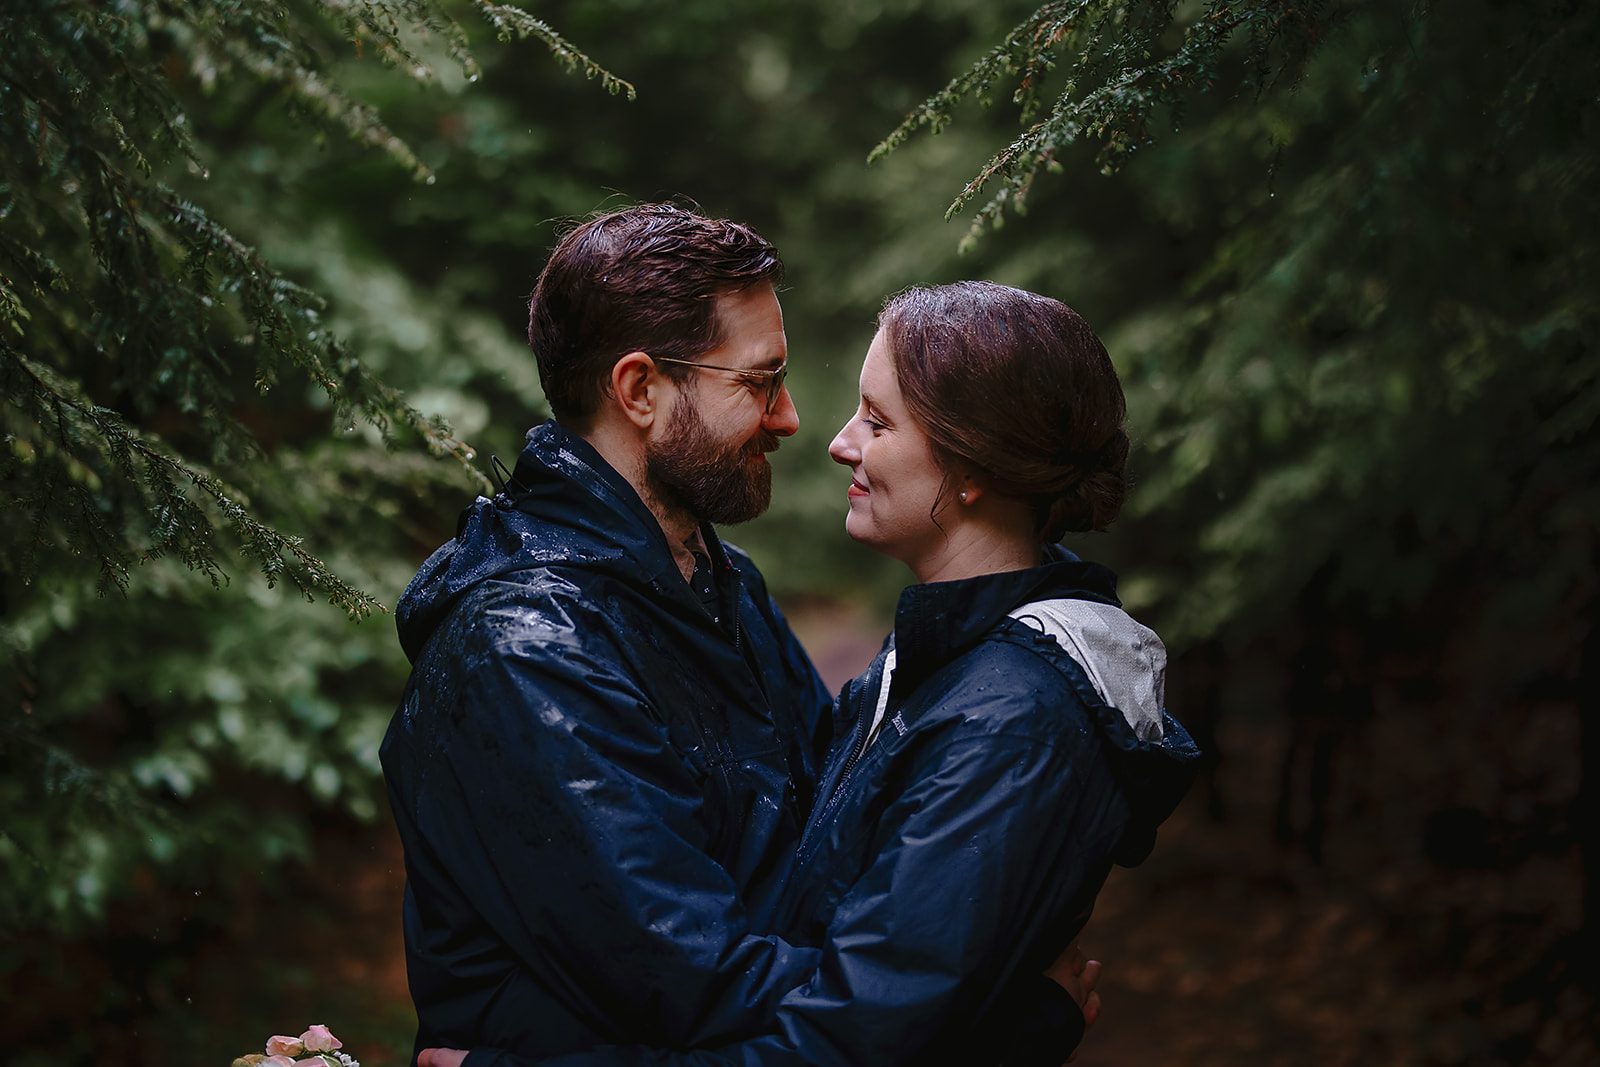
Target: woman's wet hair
(1017,389)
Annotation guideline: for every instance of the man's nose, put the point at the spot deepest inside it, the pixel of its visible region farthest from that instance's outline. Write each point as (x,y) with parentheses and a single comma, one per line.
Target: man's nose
(783,419)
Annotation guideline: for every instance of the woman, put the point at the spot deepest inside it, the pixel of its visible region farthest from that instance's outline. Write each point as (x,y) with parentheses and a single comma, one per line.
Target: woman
(1009,743)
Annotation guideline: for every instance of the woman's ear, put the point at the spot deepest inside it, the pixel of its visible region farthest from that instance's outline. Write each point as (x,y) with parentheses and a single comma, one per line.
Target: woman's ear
(969,489)
(634,382)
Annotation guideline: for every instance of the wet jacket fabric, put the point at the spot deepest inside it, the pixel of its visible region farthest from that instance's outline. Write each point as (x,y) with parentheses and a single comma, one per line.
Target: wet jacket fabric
(964,846)
(598,784)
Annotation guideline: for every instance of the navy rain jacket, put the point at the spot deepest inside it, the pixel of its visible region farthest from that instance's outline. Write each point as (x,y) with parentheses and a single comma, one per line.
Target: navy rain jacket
(598,787)
(964,847)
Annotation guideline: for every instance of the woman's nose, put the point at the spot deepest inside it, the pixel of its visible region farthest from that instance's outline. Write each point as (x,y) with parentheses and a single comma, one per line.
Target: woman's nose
(842,448)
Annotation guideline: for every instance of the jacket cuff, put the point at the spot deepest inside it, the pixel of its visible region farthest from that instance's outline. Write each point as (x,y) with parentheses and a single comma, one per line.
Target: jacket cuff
(1039,1023)
(495,1057)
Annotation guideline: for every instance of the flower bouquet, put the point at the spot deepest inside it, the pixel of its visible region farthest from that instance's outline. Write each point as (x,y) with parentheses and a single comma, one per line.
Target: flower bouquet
(317,1047)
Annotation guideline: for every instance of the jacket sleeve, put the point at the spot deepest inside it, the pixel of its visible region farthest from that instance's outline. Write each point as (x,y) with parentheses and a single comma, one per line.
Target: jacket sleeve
(988,848)
(548,797)
(1036,1024)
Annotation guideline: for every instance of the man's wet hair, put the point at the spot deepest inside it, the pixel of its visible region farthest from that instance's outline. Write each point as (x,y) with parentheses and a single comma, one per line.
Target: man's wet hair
(642,279)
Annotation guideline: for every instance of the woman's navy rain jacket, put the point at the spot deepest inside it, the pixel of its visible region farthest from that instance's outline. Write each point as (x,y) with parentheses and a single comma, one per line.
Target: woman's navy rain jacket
(964,847)
(599,787)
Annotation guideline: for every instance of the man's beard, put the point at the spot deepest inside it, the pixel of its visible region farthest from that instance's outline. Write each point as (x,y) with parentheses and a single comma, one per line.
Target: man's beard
(715,482)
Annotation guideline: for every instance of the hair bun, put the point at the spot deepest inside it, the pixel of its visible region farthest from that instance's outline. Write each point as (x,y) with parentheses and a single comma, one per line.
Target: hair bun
(1098,489)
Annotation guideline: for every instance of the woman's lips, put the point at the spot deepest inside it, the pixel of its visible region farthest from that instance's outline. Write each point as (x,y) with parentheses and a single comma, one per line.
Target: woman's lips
(857,489)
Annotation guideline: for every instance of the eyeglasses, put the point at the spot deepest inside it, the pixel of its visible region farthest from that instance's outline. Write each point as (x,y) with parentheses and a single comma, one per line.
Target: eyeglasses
(772,380)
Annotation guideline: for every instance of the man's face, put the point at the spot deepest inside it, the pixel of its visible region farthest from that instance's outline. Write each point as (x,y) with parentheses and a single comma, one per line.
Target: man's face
(710,460)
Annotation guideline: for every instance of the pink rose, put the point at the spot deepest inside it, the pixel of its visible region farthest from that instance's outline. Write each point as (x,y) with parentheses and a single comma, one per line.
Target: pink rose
(320,1039)
(313,1061)
(276,1061)
(278,1045)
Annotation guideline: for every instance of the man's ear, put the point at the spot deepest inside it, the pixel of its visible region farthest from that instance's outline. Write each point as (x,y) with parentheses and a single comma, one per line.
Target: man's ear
(635,385)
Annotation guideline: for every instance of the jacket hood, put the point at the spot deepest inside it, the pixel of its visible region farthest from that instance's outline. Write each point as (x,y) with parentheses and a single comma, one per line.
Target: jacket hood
(1125,660)
(1116,666)
(587,513)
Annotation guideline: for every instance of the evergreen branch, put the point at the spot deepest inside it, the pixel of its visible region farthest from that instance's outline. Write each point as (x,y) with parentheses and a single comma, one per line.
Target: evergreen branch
(1041,30)
(100,50)
(180,522)
(378,22)
(447,29)
(510,22)
(1118,112)
(60,771)
(267,298)
(424,18)
(44,271)
(307,89)
(146,277)
(79,793)
(1117,81)
(12,311)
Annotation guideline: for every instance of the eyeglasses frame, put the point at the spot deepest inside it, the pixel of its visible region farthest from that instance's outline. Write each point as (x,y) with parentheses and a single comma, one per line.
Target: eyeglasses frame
(774,377)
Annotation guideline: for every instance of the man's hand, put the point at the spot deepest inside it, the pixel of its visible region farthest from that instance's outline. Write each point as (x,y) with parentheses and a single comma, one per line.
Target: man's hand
(1071,972)
(447,1057)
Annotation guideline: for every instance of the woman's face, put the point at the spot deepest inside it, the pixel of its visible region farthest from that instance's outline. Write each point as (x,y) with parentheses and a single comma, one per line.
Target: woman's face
(895,482)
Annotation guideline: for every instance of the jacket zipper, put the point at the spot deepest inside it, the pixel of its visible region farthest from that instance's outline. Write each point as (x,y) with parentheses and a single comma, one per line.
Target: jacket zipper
(855,756)
(827,805)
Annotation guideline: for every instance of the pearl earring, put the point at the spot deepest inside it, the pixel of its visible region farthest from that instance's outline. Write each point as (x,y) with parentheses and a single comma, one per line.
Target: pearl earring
(963,498)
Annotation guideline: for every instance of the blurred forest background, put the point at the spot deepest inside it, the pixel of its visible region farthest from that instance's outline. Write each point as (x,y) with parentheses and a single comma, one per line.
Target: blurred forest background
(262,280)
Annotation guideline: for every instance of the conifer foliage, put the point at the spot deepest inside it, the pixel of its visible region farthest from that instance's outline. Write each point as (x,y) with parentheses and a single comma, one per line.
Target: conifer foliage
(170,399)
(1126,66)
(1381,313)
(124,305)
(1389,245)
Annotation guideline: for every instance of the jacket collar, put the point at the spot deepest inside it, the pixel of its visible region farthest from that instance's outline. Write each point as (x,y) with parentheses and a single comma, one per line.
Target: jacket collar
(584,513)
(936,622)
(561,474)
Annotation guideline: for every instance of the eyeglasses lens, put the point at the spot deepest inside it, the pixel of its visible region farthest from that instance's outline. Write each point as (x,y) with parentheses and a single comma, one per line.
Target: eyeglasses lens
(775,387)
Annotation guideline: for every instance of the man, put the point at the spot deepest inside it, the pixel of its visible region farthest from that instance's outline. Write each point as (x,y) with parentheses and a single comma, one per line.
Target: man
(610,738)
